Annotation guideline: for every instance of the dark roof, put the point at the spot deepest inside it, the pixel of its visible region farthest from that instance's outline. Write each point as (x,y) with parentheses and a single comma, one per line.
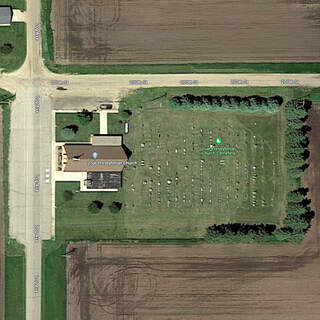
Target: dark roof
(5,14)
(103,180)
(80,159)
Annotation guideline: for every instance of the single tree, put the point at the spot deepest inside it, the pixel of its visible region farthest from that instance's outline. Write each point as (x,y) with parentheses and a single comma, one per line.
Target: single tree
(84,117)
(68,195)
(69,132)
(95,206)
(115,207)
(6,48)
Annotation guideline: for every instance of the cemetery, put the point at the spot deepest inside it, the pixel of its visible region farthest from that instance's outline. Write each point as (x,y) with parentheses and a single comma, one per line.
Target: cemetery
(198,168)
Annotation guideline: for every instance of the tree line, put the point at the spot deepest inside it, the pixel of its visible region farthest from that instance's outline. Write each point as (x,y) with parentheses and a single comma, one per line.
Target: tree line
(253,103)
(298,214)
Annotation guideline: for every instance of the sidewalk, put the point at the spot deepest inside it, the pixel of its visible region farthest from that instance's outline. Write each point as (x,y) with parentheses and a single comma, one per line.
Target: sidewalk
(103,115)
(18,16)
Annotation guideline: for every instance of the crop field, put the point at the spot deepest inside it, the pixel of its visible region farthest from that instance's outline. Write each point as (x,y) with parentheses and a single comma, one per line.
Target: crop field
(141,31)
(192,282)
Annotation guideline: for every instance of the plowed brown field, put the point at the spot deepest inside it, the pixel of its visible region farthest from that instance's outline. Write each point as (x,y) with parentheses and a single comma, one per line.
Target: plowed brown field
(164,31)
(199,282)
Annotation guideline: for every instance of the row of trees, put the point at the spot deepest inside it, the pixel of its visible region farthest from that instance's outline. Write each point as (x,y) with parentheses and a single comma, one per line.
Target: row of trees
(298,214)
(296,142)
(226,103)
(240,233)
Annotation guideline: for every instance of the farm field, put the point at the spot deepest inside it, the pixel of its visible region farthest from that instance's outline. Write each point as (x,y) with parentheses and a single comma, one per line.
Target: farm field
(140,31)
(195,282)
(180,180)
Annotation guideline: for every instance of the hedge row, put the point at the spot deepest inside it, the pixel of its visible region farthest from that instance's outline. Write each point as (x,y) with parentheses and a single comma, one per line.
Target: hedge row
(226,103)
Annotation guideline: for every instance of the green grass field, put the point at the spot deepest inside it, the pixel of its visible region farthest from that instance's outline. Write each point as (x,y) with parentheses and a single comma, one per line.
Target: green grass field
(15,288)
(74,222)
(185,181)
(84,132)
(171,193)
(54,282)
(16,36)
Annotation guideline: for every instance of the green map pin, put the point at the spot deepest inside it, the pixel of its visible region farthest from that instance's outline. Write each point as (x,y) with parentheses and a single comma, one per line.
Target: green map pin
(218,140)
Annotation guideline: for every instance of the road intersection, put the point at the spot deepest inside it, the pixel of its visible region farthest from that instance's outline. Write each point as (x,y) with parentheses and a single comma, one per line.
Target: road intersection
(31,203)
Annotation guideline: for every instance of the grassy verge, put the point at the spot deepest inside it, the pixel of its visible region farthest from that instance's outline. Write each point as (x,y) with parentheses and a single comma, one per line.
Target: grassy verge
(84,131)
(15,35)
(15,288)
(16,4)
(54,282)
(185,68)
(14,259)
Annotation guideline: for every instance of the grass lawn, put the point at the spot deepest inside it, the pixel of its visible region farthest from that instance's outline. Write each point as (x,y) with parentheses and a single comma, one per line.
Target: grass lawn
(187,182)
(238,68)
(141,97)
(75,222)
(54,282)
(16,36)
(16,4)
(170,147)
(15,288)
(84,132)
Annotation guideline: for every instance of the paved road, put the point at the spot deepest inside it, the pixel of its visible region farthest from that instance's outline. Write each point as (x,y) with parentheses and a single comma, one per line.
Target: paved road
(31,136)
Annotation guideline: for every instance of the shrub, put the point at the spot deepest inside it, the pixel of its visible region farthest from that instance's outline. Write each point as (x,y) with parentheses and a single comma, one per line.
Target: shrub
(125,114)
(6,48)
(68,195)
(95,206)
(115,207)
(69,132)
(84,117)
